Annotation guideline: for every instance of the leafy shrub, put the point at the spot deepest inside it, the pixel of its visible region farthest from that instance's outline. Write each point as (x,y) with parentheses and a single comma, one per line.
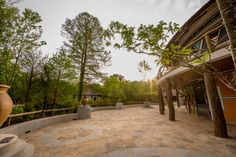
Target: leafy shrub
(17,109)
(101,102)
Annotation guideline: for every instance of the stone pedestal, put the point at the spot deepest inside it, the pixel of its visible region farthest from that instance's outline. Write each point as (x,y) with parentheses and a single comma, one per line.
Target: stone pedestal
(12,146)
(146,104)
(84,112)
(119,106)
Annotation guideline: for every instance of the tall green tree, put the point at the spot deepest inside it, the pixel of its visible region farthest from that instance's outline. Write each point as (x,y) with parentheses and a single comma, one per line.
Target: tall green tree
(46,81)
(61,69)
(114,88)
(8,14)
(31,66)
(87,47)
(21,36)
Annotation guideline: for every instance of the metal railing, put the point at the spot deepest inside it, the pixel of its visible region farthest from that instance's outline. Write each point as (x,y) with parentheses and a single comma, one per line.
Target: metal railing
(41,113)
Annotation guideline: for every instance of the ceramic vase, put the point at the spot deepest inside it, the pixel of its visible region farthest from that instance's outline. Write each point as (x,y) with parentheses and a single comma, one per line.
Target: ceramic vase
(6,104)
(85,101)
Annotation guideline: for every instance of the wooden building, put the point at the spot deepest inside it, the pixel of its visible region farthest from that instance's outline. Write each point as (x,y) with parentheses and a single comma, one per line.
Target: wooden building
(205,33)
(91,94)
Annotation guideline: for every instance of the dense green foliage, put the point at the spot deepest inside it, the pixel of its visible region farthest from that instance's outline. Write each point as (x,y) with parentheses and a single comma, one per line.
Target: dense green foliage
(41,82)
(116,87)
(36,81)
(151,40)
(87,47)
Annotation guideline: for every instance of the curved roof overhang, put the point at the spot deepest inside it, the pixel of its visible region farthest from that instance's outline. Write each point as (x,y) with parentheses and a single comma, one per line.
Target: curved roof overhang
(182,75)
(205,18)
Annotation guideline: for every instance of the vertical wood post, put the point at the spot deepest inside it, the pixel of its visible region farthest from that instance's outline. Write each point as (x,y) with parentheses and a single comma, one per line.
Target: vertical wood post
(188,103)
(220,128)
(177,98)
(160,100)
(170,100)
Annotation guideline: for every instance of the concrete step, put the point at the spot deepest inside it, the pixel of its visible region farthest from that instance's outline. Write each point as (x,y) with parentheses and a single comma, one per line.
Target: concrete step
(16,148)
(7,146)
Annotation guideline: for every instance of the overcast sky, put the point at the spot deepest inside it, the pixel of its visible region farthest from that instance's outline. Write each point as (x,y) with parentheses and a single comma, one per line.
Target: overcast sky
(131,12)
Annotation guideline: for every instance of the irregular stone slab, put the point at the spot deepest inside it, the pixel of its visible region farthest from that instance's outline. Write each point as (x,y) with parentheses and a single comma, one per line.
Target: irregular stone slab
(132,128)
(70,135)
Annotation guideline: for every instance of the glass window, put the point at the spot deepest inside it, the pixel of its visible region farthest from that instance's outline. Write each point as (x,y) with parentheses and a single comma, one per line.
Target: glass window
(204,45)
(214,37)
(222,37)
(197,45)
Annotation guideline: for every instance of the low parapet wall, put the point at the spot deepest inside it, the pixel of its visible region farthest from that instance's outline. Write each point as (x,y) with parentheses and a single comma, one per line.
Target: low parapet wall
(114,107)
(33,125)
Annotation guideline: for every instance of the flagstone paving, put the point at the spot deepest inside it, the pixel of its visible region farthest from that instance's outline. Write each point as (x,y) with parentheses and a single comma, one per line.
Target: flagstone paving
(132,132)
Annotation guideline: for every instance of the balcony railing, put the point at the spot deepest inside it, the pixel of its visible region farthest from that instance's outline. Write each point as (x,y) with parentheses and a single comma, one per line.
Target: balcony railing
(210,42)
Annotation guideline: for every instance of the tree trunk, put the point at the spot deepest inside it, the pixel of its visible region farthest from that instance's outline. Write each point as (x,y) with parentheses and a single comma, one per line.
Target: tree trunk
(83,64)
(228,13)
(160,100)
(45,99)
(81,82)
(56,90)
(54,98)
(27,94)
(220,128)
(170,100)
(29,86)
(189,106)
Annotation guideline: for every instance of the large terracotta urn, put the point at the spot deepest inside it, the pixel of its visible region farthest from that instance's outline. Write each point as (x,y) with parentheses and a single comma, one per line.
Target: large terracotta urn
(84,101)
(5,104)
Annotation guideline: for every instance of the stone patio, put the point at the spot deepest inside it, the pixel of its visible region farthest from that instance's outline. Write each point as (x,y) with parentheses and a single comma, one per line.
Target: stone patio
(132,132)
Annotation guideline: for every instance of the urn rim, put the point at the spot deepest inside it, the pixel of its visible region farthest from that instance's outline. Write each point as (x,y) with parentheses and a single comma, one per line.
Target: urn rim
(4,87)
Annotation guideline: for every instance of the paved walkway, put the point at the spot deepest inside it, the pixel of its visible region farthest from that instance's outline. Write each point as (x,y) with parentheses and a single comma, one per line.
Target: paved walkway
(132,132)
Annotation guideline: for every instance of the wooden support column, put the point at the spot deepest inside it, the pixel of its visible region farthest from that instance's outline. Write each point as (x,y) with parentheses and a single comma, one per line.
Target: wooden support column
(177,98)
(188,103)
(220,128)
(170,100)
(160,100)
